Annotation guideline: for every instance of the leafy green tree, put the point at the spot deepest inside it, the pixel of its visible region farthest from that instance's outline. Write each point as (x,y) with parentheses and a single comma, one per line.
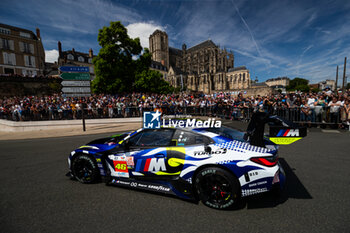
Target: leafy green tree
(116,68)
(152,81)
(114,65)
(298,84)
(348,86)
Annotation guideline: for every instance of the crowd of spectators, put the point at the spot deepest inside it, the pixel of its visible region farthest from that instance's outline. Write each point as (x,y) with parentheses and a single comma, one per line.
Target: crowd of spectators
(307,108)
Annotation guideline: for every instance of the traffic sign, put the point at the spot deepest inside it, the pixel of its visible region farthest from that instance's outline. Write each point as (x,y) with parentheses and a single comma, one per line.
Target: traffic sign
(79,83)
(74,69)
(76,90)
(75,76)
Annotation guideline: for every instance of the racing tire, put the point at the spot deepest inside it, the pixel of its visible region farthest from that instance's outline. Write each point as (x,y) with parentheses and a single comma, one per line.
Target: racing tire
(217,188)
(85,170)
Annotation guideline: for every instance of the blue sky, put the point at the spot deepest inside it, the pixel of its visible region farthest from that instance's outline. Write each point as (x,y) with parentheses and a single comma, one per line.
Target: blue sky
(272,38)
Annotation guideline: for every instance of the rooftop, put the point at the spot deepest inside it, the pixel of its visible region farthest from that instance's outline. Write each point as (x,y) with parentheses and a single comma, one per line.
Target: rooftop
(237,68)
(204,44)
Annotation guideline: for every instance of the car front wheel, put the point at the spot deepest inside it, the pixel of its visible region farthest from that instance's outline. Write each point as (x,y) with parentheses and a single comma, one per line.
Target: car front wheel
(85,169)
(217,188)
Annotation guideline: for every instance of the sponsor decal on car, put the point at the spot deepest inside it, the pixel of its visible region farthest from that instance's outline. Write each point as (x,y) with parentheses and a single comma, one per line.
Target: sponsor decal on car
(155,165)
(248,192)
(216,152)
(147,186)
(288,133)
(284,140)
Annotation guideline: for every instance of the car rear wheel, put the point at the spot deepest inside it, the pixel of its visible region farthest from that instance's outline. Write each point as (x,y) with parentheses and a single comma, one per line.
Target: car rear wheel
(217,188)
(85,169)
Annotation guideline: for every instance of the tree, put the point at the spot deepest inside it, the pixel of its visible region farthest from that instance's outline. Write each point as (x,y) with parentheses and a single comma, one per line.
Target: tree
(348,86)
(152,81)
(298,84)
(114,65)
(116,68)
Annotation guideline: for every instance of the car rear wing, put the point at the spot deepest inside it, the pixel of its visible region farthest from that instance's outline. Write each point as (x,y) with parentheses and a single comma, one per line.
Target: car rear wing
(282,132)
(281,135)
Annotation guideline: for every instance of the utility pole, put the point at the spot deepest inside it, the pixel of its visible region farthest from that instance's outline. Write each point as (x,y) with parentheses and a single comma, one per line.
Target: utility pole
(344,75)
(336,81)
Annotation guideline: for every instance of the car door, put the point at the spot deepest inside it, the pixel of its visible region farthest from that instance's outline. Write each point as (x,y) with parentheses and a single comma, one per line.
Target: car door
(150,153)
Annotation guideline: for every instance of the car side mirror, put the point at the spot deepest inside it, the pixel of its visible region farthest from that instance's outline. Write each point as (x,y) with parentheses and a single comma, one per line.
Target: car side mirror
(207,149)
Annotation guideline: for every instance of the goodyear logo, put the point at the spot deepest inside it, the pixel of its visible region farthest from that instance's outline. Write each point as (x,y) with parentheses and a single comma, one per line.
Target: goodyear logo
(288,133)
(151,120)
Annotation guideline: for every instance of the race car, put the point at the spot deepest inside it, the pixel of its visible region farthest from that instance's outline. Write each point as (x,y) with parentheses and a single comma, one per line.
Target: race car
(215,165)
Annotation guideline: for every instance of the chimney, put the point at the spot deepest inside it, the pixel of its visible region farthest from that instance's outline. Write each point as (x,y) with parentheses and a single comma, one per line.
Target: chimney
(73,50)
(91,53)
(38,33)
(59,49)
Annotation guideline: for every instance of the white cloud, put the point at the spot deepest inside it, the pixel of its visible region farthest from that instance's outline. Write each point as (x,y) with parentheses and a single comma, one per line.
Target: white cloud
(51,55)
(143,30)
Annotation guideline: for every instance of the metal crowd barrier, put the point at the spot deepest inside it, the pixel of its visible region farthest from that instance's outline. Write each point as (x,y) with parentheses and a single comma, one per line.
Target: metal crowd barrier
(317,115)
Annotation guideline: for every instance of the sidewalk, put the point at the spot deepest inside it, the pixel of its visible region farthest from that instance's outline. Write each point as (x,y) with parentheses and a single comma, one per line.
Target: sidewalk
(10,130)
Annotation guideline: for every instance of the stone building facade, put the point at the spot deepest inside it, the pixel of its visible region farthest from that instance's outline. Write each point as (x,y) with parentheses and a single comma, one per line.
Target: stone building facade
(204,67)
(75,58)
(280,81)
(21,51)
(327,84)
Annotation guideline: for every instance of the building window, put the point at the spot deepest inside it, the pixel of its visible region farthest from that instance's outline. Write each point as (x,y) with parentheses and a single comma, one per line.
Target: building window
(24,34)
(90,60)
(70,57)
(29,61)
(81,59)
(7,44)
(9,58)
(26,47)
(5,31)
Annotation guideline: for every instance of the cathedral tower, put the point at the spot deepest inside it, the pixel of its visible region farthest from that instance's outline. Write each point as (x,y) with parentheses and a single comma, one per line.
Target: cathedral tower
(159,47)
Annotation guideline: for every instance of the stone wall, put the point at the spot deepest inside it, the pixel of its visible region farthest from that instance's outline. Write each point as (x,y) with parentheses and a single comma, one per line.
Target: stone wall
(20,86)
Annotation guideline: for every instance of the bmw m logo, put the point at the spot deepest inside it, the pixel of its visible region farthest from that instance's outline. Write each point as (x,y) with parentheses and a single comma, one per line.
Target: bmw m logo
(288,133)
(151,120)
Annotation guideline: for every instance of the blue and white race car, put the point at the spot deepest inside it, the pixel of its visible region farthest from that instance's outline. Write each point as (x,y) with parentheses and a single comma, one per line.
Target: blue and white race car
(215,165)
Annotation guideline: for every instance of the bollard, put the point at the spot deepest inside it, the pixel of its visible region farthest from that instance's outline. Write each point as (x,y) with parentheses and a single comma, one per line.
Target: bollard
(83,118)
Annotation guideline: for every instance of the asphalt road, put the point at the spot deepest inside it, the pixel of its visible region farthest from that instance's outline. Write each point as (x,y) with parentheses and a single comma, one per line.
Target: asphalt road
(36,196)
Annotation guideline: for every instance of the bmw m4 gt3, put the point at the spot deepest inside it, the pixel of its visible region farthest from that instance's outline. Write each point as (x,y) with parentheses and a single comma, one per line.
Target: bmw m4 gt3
(215,165)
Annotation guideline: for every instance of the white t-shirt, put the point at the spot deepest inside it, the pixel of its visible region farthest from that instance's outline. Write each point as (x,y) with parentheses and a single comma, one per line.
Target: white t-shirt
(311,102)
(334,106)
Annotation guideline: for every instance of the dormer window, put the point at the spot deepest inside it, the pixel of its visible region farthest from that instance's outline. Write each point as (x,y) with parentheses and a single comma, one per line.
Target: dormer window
(70,57)
(81,59)
(24,34)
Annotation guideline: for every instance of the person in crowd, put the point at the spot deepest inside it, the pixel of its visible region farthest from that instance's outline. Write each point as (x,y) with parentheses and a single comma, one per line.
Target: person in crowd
(312,107)
(334,105)
(346,110)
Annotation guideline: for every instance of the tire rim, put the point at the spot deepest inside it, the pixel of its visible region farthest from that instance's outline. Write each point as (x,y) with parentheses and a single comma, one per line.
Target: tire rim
(215,189)
(83,170)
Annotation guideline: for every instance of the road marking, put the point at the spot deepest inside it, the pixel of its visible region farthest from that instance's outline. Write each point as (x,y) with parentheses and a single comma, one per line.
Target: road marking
(330,131)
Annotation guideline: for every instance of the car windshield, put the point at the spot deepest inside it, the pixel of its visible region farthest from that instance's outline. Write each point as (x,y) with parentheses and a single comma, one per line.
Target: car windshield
(228,133)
